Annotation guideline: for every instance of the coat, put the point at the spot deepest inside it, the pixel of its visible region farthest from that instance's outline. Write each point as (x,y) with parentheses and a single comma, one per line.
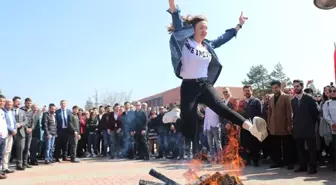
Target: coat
(279,117)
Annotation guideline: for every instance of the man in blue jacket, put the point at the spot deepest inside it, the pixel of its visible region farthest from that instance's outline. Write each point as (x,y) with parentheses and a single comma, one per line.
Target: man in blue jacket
(11,127)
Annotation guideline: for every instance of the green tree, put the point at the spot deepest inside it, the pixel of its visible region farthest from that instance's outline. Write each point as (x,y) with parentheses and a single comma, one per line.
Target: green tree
(278,74)
(259,79)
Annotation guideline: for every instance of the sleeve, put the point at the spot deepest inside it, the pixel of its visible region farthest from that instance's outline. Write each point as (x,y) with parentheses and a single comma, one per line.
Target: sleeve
(34,123)
(206,121)
(176,18)
(14,120)
(9,127)
(258,108)
(45,124)
(269,113)
(83,123)
(289,111)
(71,125)
(224,38)
(313,109)
(24,120)
(145,121)
(326,114)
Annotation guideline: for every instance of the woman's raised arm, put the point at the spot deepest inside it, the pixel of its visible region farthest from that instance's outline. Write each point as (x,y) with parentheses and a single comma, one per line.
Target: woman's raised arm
(175,12)
(230,33)
(172,6)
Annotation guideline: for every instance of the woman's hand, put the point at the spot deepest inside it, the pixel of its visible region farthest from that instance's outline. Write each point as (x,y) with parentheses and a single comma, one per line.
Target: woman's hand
(242,19)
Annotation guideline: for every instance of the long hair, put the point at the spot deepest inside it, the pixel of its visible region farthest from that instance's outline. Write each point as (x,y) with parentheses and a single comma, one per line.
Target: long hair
(188,20)
(324,96)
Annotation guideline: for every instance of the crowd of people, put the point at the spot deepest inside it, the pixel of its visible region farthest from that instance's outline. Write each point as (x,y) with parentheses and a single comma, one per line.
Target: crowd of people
(302,130)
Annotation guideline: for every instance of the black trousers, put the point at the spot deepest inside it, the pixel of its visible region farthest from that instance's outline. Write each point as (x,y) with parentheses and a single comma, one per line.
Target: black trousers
(333,151)
(61,146)
(34,149)
(282,149)
(100,145)
(20,143)
(194,92)
(81,146)
(307,156)
(26,150)
(73,142)
(141,144)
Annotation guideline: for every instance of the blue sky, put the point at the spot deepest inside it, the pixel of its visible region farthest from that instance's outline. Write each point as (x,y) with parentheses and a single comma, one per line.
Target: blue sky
(65,49)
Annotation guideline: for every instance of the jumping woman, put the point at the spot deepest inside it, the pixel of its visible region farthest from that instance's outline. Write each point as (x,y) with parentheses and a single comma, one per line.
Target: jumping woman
(196,63)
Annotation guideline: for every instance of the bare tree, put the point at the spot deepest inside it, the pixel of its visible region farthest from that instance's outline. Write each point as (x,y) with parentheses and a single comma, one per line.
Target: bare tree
(111,98)
(88,104)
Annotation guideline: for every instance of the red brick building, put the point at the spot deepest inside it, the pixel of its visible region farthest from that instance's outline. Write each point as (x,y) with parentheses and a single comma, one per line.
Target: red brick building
(173,96)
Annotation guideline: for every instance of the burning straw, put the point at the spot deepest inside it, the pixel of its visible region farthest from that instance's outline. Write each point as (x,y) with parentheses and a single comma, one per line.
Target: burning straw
(229,157)
(214,179)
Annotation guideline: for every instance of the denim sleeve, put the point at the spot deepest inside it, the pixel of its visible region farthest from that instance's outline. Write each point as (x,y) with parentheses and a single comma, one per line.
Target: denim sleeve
(227,36)
(9,127)
(176,18)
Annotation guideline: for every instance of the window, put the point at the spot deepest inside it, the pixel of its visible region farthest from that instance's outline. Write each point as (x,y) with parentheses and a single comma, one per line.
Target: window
(155,102)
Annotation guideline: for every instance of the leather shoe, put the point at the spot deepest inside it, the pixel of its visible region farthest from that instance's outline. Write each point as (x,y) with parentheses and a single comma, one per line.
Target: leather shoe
(27,166)
(35,163)
(8,171)
(312,171)
(301,170)
(290,167)
(75,161)
(3,176)
(47,162)
(276,166)
(20,168)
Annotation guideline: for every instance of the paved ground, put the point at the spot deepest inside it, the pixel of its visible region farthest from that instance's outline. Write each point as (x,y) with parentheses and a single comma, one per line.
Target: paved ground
(119,172)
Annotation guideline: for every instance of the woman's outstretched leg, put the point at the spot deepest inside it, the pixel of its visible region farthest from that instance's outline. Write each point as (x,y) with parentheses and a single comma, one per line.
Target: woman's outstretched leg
(211,98)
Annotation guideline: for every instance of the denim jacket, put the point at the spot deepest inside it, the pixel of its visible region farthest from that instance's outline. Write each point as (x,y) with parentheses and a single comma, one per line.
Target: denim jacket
(182,33)
(9,127)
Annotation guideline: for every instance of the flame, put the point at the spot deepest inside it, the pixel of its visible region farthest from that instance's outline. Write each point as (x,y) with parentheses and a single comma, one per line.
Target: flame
(229,157)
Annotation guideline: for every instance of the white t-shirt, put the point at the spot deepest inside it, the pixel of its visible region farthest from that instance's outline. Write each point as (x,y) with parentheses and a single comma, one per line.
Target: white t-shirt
(195,60)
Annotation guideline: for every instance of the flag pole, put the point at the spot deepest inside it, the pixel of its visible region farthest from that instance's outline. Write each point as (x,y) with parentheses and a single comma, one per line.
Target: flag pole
(335,61)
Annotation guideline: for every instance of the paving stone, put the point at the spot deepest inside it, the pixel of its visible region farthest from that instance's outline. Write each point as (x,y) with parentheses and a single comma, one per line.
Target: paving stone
(127,172)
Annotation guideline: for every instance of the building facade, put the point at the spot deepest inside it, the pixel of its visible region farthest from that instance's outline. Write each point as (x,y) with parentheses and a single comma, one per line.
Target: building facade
(173,96)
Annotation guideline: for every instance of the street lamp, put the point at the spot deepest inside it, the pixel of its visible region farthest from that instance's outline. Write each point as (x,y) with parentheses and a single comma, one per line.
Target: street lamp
(325,4)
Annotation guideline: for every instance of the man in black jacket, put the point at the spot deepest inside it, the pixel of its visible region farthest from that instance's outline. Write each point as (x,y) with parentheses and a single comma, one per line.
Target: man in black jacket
(36,134)
(305,117)
(103,128)
(251,110)
(49,127)
(163,131)
(73,135)
(140,132)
